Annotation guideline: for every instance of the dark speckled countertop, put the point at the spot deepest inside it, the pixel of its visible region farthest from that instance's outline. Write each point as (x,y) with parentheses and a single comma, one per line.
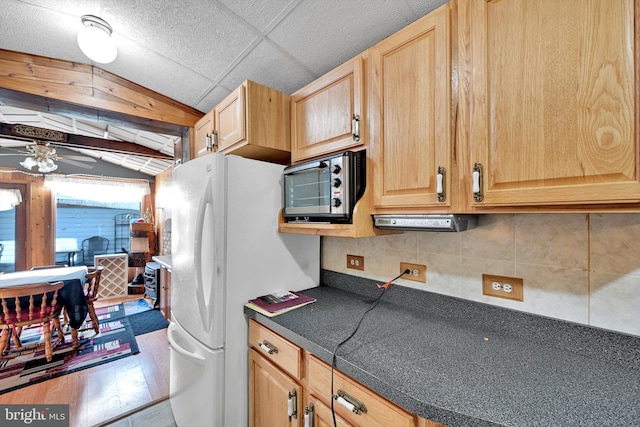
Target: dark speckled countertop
(462,363)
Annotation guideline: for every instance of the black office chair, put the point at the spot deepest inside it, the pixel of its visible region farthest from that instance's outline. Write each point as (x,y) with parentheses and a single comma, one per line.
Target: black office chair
(95,245)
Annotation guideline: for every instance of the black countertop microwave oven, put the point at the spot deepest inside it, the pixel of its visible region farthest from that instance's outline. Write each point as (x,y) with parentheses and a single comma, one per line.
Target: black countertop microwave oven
(324,190)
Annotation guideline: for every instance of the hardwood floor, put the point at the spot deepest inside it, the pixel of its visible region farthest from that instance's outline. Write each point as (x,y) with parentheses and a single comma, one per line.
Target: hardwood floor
(105,392)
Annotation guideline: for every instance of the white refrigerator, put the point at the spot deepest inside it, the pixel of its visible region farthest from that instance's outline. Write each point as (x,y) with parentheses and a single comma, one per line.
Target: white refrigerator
(225,250)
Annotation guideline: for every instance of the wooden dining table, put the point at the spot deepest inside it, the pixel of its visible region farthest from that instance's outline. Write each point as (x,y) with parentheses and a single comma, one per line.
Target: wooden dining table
(71,295)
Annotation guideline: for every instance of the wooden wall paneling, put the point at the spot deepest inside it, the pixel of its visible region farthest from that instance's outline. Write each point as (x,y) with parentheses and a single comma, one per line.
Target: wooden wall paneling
(87,85)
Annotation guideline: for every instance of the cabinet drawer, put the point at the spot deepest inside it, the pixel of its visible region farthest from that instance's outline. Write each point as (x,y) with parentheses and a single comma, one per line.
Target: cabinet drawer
(283,353)
(380,412)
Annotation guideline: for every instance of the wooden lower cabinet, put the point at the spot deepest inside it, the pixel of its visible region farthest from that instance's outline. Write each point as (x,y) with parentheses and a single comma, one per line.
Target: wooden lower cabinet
(379,412)
(277,367)
(271,392)
(426,423)
(321,414)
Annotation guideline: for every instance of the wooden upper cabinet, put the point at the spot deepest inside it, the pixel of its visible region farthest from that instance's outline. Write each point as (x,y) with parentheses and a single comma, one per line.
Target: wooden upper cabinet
(230,118)
(553,100)
(203,132)
(410,98)
(322,113)
(252,121)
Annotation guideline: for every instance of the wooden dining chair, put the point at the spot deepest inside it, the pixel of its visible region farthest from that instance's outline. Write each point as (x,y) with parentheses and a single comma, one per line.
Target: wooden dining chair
(92,293)
(26,305)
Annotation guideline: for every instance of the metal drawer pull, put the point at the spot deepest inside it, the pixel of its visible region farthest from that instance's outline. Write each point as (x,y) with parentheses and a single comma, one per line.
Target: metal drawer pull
(440,184)
(350,402)
(355,127)
(478,193)
(268,347)
(292,404)
(309,415)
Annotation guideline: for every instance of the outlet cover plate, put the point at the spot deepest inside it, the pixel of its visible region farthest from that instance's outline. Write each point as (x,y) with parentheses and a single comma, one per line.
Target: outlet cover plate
(356,262)
(517,287)
(418,272)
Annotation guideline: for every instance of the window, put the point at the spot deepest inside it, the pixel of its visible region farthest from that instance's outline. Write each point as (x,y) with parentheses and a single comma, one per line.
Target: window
(93,217)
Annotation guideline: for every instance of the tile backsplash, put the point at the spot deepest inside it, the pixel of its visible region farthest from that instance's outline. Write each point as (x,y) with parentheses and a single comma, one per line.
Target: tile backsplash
(583,268)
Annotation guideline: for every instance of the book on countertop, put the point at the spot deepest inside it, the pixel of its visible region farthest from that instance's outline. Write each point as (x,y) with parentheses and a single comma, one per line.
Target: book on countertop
(279,302)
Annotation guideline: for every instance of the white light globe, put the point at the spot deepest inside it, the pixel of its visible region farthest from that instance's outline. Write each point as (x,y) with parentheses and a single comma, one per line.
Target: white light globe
(29,163)
(97,44)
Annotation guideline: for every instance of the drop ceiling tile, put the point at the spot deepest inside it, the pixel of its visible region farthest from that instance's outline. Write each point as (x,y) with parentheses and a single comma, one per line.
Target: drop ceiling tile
(267,65)
(259,13)
(324,34)
(157,73)
(200,35)
(26,28)
(212,98)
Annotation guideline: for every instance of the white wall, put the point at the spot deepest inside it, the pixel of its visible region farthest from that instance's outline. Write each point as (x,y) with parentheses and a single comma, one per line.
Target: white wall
(583,268)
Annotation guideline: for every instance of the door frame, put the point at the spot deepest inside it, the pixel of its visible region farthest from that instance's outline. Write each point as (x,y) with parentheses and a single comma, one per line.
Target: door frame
(21,231)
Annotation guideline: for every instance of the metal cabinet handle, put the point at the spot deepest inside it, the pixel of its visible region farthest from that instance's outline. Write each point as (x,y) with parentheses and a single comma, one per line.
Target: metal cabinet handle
(292,404)
(478,193)
(350,402)
(268,347)
(214,144)
(355,127)
(207,142)
(309,415)
(441,184)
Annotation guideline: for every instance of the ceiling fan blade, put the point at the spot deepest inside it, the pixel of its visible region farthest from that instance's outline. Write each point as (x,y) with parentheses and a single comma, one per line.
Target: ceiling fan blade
(75,163)
(79,158)
(14,154)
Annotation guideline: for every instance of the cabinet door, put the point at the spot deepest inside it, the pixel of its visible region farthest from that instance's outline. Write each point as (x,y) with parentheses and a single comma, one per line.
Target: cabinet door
(553,100)
(203,131)
(269,394)
(379,411)
(322,113)
(411,100)
(230,119)
(322,416)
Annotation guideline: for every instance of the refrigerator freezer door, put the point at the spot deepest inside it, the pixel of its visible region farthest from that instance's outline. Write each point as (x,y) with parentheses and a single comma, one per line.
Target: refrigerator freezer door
(196,380)
(198,248)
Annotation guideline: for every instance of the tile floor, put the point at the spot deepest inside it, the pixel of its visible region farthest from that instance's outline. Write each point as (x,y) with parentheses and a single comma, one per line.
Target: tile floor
(157,415)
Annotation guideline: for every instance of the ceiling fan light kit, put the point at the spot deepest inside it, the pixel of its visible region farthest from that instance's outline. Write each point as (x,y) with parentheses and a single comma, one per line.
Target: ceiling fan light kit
(42,156)
(95,40)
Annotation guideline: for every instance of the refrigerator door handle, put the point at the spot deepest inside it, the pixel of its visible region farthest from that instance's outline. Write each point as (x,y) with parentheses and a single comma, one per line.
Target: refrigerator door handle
(194,357)
(204,212)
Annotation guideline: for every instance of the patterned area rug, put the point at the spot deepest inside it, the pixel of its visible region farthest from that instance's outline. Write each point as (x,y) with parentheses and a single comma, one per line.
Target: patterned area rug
(115,341)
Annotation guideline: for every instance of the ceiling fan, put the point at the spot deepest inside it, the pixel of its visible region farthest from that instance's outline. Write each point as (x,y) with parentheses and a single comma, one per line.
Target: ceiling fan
(44,156)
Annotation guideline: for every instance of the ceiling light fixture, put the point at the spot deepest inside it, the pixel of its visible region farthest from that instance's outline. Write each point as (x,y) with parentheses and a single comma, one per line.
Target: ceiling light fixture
(42,156)
(95,40)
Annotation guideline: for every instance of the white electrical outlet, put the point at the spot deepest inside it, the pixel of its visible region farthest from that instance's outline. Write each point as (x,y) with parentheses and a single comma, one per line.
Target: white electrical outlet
(503,287)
